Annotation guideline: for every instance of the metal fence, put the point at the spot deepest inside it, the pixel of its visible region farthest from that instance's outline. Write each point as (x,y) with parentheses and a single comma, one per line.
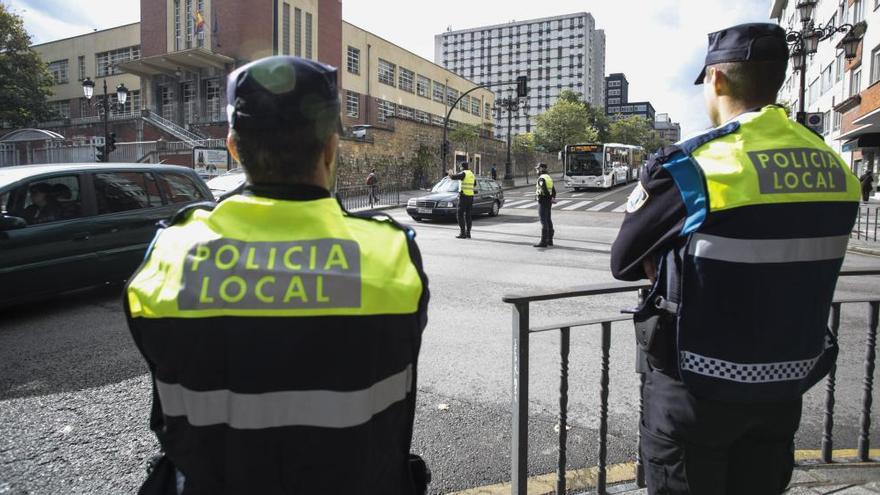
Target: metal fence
(131,152)
(866,224)
(522,332)
(366,197)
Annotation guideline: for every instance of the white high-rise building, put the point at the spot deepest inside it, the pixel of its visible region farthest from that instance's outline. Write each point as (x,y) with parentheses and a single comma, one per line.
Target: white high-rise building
(556,53)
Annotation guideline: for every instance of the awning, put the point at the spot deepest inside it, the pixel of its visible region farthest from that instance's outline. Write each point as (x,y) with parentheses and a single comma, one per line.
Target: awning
(871,140)
(22,135)
(193,60)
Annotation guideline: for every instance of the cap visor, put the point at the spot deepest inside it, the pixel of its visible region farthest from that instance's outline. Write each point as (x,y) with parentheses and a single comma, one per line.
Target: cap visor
(700,78)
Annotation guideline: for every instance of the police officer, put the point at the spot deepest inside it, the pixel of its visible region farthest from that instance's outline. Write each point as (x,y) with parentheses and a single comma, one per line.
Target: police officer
(465,199)
(743,230)
(282,332)
(545,193)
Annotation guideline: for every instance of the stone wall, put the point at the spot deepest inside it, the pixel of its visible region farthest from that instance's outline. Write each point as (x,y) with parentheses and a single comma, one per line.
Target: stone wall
(408,154)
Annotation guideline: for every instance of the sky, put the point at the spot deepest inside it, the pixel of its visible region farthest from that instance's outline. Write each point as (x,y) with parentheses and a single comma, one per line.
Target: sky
(659,44)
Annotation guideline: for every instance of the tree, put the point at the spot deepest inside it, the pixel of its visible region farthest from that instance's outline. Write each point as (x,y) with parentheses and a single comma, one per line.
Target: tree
(570,96)
(564,123)
(465,134)
(630,130)
(25,82)
(524,143)
(598,119)
(654,142)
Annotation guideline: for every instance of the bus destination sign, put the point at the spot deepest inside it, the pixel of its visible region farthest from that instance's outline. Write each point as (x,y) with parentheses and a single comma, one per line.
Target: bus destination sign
(584,147)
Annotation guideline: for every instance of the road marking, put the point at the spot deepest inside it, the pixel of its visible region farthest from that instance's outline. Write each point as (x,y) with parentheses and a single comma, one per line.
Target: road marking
(529,204)
(519,201)
(560,203)
(620,209)
(577,195)
(601,206)
(614,190)
(575,206)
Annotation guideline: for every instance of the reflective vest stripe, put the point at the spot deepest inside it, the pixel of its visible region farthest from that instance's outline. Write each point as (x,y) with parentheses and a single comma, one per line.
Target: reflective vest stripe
(548,183)
(316,408)
(467,184)
(768,250)
(747,373)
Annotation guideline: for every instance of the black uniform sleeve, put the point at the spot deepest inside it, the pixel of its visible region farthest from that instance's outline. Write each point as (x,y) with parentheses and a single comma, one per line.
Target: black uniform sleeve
(458,176)
(652,224)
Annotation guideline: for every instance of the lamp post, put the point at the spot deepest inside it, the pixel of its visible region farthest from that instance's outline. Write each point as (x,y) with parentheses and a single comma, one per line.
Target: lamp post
(103,152)
(805,42)
(510,105)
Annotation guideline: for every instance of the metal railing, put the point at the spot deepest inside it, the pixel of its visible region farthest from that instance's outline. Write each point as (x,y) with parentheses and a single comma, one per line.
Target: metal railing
(520,379)
(866,224)
(172,128)
(366,197)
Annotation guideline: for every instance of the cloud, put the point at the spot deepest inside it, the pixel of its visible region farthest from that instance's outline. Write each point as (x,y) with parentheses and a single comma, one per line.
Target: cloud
(50,20)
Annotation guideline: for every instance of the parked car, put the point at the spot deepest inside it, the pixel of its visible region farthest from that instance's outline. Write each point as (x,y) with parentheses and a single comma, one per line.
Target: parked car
(228,184)
(442,202)
(73,226)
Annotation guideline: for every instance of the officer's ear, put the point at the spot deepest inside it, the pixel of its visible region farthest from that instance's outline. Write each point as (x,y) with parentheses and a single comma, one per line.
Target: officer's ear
(330,150)
(718,80)
(230,145)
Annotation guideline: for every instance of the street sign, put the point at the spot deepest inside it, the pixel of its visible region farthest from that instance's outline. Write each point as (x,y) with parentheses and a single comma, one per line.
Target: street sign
(816,121)
(210,161)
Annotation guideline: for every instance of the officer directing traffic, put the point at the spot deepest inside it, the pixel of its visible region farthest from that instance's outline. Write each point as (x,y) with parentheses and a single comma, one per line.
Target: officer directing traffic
(743,231)
(545,193)
(465,199)
(282,332)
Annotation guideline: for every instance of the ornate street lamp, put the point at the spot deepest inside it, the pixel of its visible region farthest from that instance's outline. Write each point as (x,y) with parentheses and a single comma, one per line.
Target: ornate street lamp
(104,105)
(805,8)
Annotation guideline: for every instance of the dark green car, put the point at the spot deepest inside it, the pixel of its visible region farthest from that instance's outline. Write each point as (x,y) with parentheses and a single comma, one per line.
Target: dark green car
(73,226)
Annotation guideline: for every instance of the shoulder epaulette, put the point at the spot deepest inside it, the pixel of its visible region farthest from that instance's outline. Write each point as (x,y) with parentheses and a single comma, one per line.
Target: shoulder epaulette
(689,145)
(183,214)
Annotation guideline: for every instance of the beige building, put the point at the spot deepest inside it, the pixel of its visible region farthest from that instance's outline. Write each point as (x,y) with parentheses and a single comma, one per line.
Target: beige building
(381,79)
(93,55)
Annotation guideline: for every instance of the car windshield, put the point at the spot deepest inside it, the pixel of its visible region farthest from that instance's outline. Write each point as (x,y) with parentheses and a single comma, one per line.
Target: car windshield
(226,182)
(446,185)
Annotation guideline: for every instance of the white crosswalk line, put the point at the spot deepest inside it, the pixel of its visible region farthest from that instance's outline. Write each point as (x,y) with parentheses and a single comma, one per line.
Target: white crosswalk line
(529,204)
(560,203)
(601,206)
(575,206)
(519,201)
(577,195)
(620,209)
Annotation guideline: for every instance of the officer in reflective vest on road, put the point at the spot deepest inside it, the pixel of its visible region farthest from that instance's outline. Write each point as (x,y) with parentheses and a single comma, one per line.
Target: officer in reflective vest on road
(742,230)
(282,332)
(465,199)
(545,193)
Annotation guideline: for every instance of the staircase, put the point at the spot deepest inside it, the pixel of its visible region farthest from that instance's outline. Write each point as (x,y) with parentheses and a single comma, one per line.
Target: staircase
(189,137)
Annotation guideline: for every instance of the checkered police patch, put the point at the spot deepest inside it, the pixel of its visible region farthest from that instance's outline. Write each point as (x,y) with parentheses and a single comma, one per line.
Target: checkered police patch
(637,199)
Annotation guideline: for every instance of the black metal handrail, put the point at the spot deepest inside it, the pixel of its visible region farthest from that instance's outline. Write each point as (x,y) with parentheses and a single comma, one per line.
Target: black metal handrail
(366,197)
(520,383)
(866,223)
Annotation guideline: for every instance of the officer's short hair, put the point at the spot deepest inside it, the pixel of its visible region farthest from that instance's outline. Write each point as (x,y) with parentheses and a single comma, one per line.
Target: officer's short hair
(286,155)
(754,80)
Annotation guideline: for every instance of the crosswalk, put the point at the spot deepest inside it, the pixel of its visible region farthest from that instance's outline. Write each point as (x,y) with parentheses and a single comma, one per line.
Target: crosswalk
(570,205)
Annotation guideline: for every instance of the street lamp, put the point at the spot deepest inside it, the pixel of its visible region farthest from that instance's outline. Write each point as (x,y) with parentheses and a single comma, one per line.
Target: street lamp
(509,104)
(104,105)
(806,42)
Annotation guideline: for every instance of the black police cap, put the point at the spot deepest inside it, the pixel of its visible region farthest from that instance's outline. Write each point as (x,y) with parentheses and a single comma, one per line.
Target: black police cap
(746,43)
(282,92)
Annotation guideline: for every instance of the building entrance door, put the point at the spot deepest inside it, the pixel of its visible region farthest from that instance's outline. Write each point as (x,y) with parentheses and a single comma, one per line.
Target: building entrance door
(168,102)
(213,100)
(190,102)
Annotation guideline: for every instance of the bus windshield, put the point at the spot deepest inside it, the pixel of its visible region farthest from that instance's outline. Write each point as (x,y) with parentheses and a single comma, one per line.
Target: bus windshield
(584,163)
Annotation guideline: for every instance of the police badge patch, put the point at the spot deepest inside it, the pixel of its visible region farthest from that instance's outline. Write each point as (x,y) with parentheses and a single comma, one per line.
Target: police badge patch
(637,199)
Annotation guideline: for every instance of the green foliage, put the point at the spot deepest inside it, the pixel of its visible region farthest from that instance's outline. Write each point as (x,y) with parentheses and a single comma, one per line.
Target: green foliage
(524,143)
(465,134)
(570,96)
(600,121)
(25,82)
(654,142)
(564,123)
(630,130)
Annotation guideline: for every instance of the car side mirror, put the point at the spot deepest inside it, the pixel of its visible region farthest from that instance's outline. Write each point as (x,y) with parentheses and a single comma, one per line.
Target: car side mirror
(9,222)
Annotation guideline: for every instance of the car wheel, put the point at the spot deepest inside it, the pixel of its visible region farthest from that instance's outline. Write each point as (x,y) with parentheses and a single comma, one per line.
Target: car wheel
(417,219)
(496,208)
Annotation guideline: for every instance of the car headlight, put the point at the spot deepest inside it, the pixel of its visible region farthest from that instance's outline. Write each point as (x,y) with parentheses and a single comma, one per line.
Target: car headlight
(411,202)
(447,204)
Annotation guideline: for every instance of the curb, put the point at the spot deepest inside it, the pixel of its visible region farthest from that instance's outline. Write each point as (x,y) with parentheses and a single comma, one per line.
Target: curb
(864,250)
(586,478)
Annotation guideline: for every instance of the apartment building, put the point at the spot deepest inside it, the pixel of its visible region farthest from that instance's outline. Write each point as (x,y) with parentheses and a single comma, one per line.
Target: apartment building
(668,130)
(556,53)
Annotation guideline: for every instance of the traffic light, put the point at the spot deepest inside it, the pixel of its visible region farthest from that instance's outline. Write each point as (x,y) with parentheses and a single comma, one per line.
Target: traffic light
(444,148)
(100,153)
(522,86)
(111,143)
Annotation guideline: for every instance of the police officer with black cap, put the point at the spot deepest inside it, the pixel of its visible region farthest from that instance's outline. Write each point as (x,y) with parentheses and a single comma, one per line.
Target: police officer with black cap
(742,231)
(282,332)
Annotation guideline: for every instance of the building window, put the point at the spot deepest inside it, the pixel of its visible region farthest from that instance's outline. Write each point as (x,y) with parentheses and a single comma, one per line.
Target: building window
(827,78)
(836,125)
(875,65)
(475,106)
(487,111)
(178,38)
(840,64)
(386,72)
(81,65)
(407,80)
(190,22)
(613,84)
(308,35)
(386,109)
(105,62)
(423,86)
(439,92)
(60,109)
(354,60)
(133,102)
(614,101)
(826,123)
(352,104)
(813,92)
(58,69)
(451,96)
(297,31)
(285,30)
(613,92)
(858,9)
(855,82)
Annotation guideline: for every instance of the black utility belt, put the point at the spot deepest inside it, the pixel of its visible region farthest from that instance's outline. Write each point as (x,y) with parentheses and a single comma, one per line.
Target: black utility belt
(654,323)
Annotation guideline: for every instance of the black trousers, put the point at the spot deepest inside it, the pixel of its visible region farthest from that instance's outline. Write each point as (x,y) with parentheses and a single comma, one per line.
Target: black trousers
(544,208)
(692,446)
(465,207)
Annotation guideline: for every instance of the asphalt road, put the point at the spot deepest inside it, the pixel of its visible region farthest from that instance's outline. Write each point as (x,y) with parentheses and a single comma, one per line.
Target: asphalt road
(74,393)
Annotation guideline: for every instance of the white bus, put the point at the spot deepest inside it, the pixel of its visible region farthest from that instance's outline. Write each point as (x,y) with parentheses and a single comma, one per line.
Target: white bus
(601,165)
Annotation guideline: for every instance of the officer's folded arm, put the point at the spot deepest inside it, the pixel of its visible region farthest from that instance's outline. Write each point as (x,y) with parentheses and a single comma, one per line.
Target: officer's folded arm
(655,215)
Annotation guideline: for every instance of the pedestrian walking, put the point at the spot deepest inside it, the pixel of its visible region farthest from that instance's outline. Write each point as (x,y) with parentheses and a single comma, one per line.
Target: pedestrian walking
(373,185)
(465,199)
(867,181)
(494,172)
(545,193)
(282,333)
(735,327)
